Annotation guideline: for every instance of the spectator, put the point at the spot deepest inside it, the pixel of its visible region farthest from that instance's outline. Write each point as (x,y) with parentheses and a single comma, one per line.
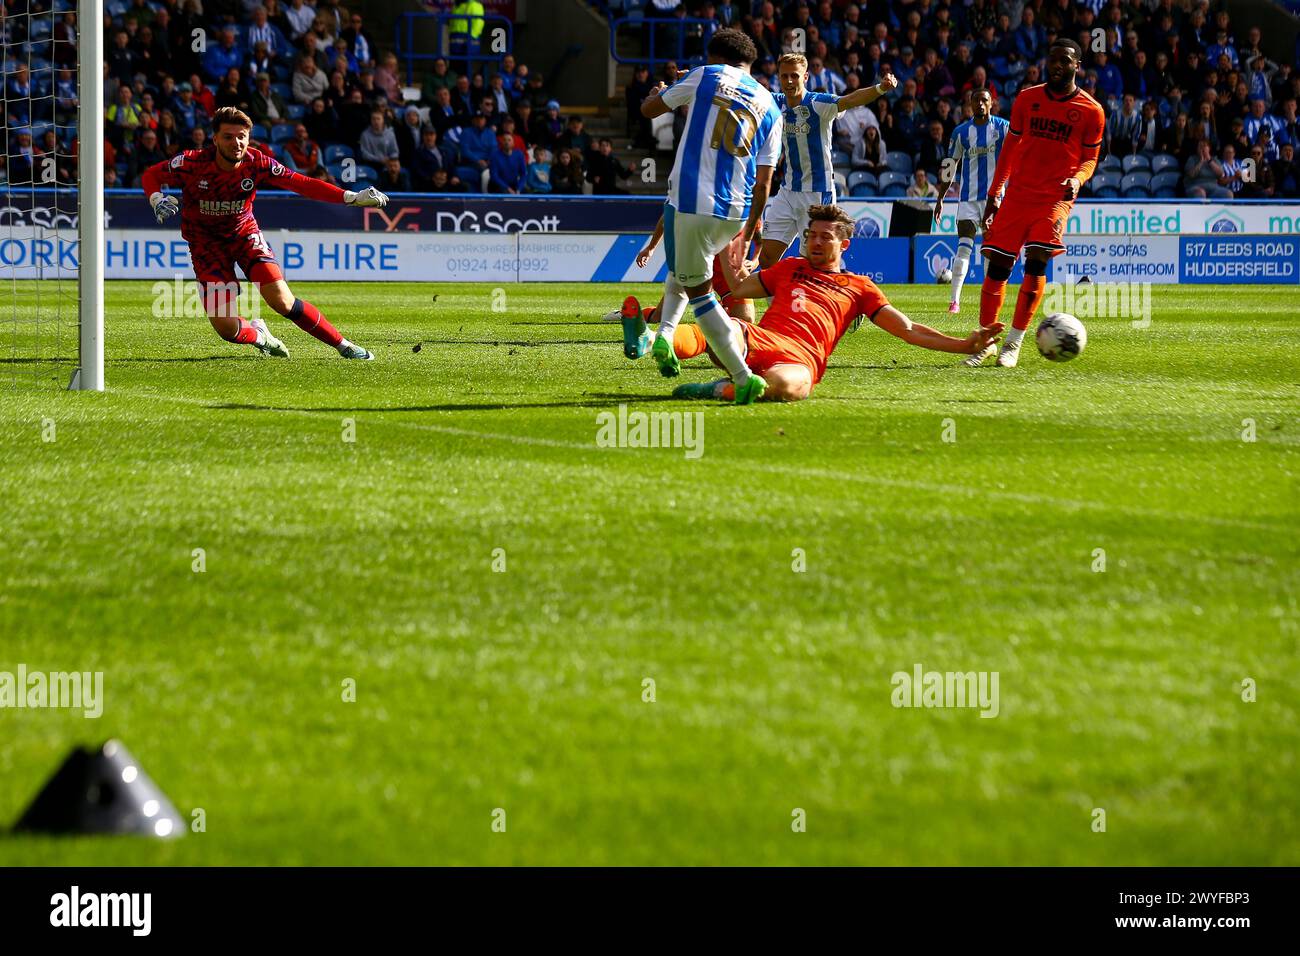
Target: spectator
(539,173)
(921,187)
(306,154)
(477,144)
(443,115)
(507,166)
(1150,129)
(231,92)
(354,118)
(261,30)
(1124,127)
(168,133)
(870,153)
(604,170)
(1202,175)
(322,122)
(122,60)
(393,178)
(1176,139)
(122,118)
(488,108)
(408,133)
(1260,183)
(934,150)
(1259,119)
(637,91)
(1234,170)
(146,153)
(567,174)
(428,159)
(360,44)
(266,106)
(497,91)
(308,81)
(822,80)
(549,128)
(575,137)
(378,142)
(222,57)
(387,78)
(462,98)
(445,183)
(311,47)
(1286,176)
(523,117)
(341,59)
(508,128)
(440,77)
(299,16)
(261,61)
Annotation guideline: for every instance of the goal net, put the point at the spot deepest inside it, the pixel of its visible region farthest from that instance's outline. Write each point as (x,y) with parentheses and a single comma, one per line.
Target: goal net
(52,203)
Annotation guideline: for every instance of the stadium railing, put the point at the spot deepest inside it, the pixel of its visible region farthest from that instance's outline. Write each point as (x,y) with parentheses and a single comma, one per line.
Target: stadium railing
(659,32)
(445,25)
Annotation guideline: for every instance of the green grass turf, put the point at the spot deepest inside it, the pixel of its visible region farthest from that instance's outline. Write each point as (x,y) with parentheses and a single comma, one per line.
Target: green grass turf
(522,690)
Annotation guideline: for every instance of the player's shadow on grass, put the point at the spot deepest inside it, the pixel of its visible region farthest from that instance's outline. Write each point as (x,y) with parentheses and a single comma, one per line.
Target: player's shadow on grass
(598,400)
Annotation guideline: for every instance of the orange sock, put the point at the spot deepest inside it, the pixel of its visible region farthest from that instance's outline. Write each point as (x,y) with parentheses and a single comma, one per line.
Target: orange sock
(1031,293)
(688,341)
(991,295)
(648,315)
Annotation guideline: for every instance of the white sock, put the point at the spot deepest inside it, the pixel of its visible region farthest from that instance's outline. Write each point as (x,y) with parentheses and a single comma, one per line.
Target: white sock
(343,345)
(723,335)
(674,307)
(1013,336)
(960,266)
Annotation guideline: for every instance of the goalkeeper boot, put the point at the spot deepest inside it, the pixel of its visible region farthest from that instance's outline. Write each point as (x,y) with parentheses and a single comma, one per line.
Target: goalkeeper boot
(267,343)
(666,358)
(751,391)
(980,357)
(716,391)
(636,336)
(350,351)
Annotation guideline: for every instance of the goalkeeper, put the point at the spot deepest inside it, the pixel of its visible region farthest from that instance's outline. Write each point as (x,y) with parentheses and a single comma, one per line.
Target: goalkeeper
(218,183)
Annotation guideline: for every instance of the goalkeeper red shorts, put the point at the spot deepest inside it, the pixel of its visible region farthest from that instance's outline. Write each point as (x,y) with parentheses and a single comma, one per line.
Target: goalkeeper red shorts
(215,260)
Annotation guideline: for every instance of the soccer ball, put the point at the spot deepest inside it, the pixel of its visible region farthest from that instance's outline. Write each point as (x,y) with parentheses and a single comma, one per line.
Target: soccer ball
(1060,337)
(943,276)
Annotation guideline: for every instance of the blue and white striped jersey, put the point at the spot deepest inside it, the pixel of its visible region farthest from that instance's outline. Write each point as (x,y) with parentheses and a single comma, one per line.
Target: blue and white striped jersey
(808,127)
(733,126)
(976,149)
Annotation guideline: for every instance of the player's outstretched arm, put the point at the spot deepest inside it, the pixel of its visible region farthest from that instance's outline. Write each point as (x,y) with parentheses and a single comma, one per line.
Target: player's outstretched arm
(153,180)
(751,287)
(644,255)
(868,94)
(913,333)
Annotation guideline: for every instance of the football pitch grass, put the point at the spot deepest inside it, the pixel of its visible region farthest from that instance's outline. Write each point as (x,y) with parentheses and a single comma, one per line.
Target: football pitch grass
(500,588)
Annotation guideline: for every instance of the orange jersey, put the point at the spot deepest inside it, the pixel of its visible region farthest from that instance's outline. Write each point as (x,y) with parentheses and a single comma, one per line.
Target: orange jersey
(719,280)
(1051,139)
(814,308)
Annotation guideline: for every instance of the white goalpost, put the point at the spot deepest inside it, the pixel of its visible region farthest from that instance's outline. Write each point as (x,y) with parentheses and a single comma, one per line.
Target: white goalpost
(52,208)
(89,375)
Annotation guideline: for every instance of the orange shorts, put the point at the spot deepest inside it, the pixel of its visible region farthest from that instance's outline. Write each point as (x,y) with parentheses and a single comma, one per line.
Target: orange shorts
(768,348)
(1028,223)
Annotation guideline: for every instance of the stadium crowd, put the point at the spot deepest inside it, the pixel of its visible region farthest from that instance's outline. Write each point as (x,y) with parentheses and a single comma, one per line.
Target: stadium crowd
(1191,98)
(326,97)
(1189,94)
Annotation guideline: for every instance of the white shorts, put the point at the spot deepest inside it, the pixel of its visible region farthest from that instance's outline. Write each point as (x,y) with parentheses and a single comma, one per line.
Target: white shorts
(969,209)
(786,215)
(692,240)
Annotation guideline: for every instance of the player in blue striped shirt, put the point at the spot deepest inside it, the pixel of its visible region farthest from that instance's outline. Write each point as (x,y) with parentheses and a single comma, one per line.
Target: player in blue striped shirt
(972,158)
(809,172)
(718,188)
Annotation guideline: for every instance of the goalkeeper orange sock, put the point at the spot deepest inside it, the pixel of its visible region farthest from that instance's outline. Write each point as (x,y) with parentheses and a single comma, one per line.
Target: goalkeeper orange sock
(688,341)
(1031,294)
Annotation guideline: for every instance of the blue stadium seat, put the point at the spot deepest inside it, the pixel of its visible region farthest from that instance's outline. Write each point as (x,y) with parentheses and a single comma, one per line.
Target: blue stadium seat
(1106,185)
(281,73)
(1164,185)
(297,111)
(1136,185)
(861,177)
(840,158)
(259,133)
(335,170)
(285,91)
(332,154)
(1110,164)
(1162,162)
(1133,163)
(117,7)
(862,191)
(366,175)
(894,183)
(281,132)
(899,163)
